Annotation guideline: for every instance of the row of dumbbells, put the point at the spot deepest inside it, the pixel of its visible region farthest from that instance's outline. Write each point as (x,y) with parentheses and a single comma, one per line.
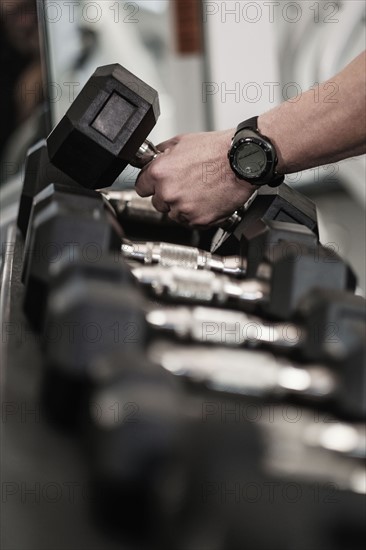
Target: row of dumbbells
(96,322)
(274,273)
(152,385)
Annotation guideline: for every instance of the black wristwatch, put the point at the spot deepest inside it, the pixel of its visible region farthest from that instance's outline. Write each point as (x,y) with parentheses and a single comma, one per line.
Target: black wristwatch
(253,156)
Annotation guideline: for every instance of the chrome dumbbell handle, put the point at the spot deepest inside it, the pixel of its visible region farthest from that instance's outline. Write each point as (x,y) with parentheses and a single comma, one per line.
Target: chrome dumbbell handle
(199,286)
(253,373)
(120,199)
(170,255)
(147,153)
(243,371)
(130,203)
(225,327)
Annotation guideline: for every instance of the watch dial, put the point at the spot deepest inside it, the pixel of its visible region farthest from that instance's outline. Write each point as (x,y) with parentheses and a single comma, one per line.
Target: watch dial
(250,159)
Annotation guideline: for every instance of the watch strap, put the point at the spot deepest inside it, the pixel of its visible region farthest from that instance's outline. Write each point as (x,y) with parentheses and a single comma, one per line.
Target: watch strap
(251,123)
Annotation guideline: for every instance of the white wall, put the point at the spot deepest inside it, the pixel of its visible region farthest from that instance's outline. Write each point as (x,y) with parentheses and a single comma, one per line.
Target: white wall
(242,61)
(281,47)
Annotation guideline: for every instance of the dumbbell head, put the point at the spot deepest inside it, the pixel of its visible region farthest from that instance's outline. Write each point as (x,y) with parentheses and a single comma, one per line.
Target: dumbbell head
(92,309)
(296,270)
(351,390)
(153,444)
(55,192)
(104,127)
(39,172)
(260,238)
(330,319)
(282,204)
(138,442)
(64,222)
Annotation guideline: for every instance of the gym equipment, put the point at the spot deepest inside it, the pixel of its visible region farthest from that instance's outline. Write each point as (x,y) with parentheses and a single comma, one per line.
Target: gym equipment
(139,440)
(138,432)
(294,271)
(140,219)
(39,172)
(105,302)
(137,215)
(282,204)
(169,255)
(64,219)
(105,128)
(57,192)
(93,308)
(259,246)
(249,373)
(259,238)
(279,230)
(324,327)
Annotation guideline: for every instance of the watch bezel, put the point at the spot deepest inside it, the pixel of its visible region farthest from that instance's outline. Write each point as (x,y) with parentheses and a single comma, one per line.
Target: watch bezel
(266,147)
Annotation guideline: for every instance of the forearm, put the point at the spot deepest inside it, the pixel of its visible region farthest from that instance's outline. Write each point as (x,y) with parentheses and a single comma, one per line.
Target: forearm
(323,125)
(193,183)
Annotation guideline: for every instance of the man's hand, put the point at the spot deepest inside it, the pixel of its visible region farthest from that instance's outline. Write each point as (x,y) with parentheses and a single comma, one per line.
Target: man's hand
(192,180)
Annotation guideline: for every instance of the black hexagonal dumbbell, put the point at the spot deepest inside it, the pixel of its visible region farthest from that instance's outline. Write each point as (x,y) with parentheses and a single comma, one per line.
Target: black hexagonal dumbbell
(260,237)
(64,219)
(292,271)
(282,204)
(137,215)
(129,323)
(93,308)
(140,441)
(141,428)
(39,172)
(105,127)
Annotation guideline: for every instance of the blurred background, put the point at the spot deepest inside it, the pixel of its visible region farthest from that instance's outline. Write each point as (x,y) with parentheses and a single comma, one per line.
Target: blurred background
(214,63)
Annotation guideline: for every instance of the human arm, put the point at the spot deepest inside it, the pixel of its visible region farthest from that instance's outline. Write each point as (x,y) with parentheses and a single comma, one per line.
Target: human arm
(193,181)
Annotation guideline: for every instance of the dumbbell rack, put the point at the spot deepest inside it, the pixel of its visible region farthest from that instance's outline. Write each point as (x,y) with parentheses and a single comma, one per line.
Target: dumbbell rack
(45,496)
(46,482)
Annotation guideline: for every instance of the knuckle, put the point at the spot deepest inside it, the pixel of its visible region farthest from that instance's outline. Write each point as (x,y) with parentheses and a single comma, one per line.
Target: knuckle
(141,191)
(156,203)
(203,219)
(156,170)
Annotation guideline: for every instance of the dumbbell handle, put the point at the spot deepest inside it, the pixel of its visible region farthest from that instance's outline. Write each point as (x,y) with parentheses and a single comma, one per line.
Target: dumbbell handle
(226,327)
(147,152)
(169,255)
(131,201)
(200,286)
(254,373)
(245,372)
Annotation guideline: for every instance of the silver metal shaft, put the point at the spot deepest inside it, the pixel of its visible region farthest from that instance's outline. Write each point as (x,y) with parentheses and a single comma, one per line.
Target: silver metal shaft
(200,286)
(245,372)
(223,327)
(169,255)
(129,203)
(147,153)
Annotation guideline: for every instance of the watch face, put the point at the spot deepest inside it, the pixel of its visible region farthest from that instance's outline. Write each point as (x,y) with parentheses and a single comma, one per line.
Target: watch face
(250,159)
